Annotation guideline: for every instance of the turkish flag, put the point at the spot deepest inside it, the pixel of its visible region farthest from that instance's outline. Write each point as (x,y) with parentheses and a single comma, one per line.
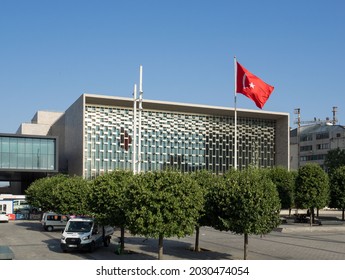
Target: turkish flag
(252,86)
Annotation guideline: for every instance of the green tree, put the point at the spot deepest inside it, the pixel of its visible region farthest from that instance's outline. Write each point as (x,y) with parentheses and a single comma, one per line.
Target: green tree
(164,204)
(249,202)
(337,189)
(206,181)
(218,199)
(40,193)
(334,159)
(70,196)
(312,188)
(285,183)
(108,200)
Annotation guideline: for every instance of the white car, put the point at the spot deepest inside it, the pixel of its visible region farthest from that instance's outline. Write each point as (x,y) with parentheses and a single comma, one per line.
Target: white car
(3,217)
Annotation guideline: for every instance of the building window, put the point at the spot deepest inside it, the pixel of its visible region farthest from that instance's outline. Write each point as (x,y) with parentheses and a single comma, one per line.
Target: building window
(324,146)
(313,157)
(306,148)
(323,135)
(27,153)
(306,137)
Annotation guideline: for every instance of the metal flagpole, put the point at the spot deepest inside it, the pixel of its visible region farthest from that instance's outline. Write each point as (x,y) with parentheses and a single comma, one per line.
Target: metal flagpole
(134,155)
(140,113)
(235,101)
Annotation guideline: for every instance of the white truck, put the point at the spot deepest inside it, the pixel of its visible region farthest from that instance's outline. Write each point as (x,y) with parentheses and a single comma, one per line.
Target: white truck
(85,234)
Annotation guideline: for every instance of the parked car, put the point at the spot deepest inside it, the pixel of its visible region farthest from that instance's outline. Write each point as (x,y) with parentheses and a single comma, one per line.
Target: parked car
(52,221)
(3,217)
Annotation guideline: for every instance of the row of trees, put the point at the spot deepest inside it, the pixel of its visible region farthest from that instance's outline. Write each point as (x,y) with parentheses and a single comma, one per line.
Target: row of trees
(311,187)
(335,165)
(169,203)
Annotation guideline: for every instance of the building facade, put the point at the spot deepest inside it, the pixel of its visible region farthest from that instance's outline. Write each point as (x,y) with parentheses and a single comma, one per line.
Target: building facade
(96,136)
(311,143)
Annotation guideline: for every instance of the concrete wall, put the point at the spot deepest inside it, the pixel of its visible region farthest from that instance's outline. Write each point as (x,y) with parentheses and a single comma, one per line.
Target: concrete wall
(33,129)
(40,123)
(58,130)
(46,117)
(283,142)
(73,142)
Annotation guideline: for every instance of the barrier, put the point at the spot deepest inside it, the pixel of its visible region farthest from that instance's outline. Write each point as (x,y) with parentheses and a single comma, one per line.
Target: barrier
(11,216)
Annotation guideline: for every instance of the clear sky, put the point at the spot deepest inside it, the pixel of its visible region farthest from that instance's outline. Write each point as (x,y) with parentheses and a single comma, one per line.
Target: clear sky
(51,52)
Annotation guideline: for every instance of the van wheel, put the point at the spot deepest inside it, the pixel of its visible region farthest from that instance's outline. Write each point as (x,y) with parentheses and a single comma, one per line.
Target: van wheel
(50,228)
(106,242)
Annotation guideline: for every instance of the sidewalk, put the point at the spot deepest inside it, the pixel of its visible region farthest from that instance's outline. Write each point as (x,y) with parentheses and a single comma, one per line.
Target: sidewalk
(331,220)
(296,241)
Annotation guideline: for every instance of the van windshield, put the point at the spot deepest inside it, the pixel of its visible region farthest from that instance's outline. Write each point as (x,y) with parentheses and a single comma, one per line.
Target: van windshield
(79,226)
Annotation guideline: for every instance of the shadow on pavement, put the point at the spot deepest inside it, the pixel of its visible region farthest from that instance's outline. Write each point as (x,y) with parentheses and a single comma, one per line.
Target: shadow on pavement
(173,249)
(30,225)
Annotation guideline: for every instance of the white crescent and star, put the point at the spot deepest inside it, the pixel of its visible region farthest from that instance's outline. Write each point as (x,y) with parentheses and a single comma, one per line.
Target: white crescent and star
(251,84)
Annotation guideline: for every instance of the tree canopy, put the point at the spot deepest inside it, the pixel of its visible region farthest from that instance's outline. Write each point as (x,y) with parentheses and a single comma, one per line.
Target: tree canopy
(252,203)
(70,196)
(164,204)
(206,181)
(312,187)
(334,159)
(248,203)
(337,189)
(285,183)
(108,200)
(40,193)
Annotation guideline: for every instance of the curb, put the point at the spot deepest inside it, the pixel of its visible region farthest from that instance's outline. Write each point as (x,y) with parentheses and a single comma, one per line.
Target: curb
(308,228)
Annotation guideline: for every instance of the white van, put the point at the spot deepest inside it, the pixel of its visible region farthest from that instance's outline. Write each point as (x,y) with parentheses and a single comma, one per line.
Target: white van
(85,234)
(51,221)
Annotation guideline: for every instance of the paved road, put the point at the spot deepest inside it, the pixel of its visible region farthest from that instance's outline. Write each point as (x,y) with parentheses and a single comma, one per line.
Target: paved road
(293,242)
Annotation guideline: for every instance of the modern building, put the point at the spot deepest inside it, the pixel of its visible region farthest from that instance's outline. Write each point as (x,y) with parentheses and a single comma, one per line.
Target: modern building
(96,135)
(25,158)
(311,143)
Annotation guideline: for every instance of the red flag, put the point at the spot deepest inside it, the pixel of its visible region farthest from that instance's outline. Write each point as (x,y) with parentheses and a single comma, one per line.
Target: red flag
(252,86)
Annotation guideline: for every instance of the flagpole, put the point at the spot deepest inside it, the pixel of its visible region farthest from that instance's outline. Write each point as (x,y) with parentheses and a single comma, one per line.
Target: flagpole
(140,113)
(134,155)
(235,102)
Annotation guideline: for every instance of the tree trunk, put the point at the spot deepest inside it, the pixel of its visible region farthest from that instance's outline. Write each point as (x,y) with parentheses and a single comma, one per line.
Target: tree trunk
(197,234)
(245,246)
(160,247)
(343,215)
(122,240)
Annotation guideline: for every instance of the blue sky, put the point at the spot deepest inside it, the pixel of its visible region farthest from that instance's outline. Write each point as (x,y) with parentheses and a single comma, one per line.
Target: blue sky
(51,52)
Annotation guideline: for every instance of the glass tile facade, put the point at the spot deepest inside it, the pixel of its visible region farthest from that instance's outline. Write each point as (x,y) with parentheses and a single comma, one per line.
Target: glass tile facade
(171,139)
(26,153)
